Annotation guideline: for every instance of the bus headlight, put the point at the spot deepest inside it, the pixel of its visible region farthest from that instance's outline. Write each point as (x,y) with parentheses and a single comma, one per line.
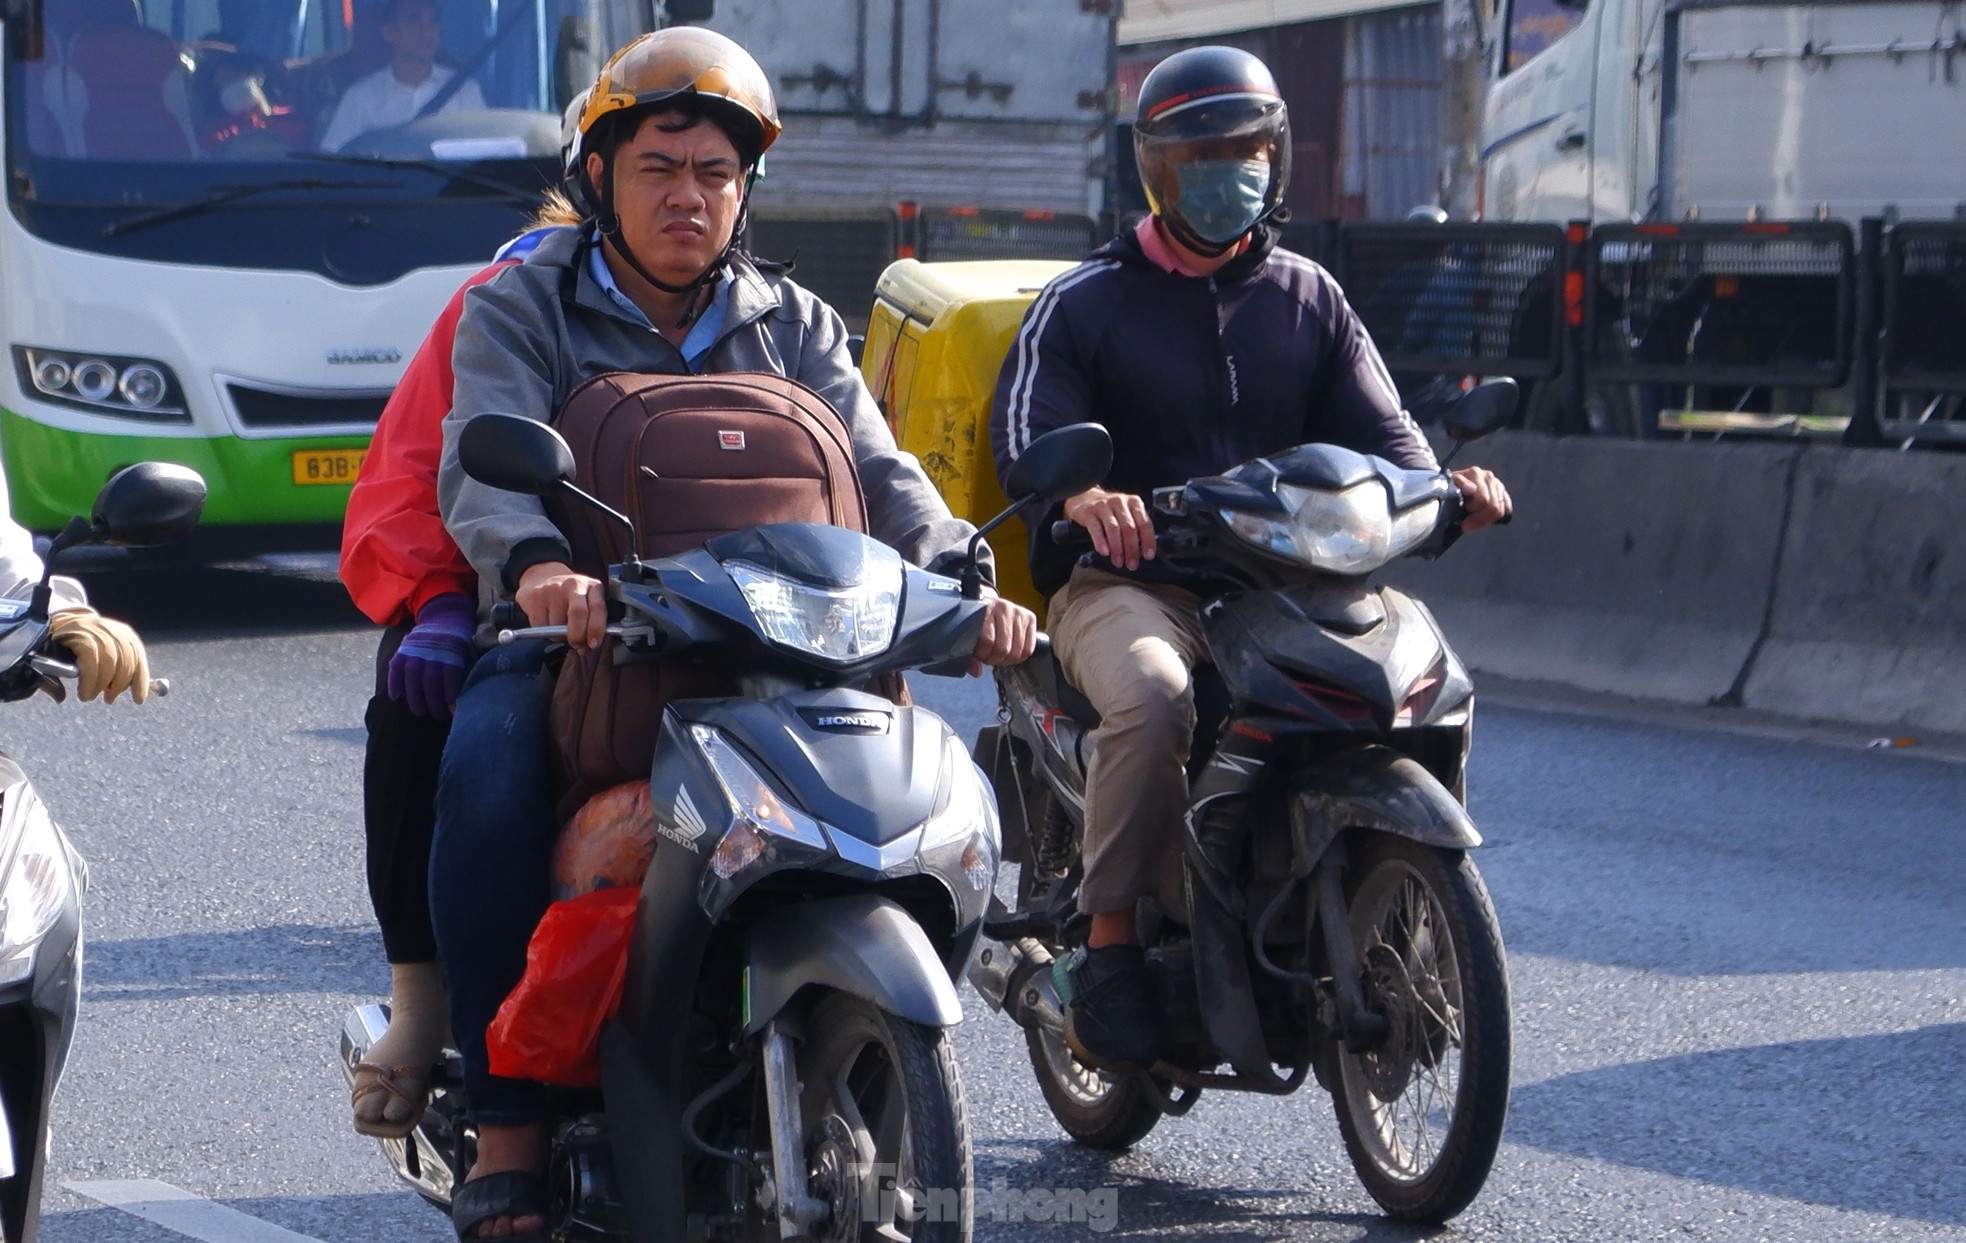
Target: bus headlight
(137,388)
(143,386)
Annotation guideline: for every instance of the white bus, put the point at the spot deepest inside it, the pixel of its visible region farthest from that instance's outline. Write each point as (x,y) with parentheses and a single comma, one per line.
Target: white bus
(230,222)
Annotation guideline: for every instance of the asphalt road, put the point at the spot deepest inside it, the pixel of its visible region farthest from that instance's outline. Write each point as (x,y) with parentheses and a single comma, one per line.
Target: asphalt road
(1738,963)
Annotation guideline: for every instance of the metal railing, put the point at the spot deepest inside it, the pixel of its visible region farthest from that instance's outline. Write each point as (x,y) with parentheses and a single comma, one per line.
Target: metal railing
(1458,298)
(1725,305)
(955,233)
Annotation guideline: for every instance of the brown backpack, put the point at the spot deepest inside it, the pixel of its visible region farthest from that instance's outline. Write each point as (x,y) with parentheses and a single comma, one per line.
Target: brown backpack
(689,458)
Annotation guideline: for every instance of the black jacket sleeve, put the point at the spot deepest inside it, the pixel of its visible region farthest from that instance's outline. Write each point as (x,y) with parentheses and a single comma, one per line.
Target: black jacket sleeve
(1045,381)
(1356,403)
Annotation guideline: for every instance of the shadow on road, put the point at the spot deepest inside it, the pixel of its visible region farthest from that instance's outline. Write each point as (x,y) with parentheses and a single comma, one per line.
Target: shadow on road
(165,600)
(280,958)
(1868,1123)
(1062,1190)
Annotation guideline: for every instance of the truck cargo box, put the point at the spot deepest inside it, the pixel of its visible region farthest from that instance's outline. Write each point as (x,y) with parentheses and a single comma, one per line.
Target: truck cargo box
(1801,111)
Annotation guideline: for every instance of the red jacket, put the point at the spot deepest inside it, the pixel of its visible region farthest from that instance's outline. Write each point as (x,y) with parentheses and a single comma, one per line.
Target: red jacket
(396,555)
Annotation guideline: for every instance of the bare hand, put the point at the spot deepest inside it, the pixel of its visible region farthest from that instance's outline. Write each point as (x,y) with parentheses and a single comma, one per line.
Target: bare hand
(1485,499)
(1121,530)
(1010,634)
(552,594)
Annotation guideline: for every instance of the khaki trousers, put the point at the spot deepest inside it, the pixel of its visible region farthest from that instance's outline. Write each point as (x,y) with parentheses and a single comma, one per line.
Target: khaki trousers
(1131,648)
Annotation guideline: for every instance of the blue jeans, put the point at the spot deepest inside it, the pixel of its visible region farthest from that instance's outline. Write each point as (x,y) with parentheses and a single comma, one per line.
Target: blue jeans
(491,860)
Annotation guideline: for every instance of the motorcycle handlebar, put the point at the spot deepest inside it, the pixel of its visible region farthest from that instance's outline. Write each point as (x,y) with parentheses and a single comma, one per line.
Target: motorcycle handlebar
(559,633)
(1066,533)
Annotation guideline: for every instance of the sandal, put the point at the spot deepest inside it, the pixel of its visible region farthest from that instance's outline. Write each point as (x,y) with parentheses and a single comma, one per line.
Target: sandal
(509,1193)
(405,1083)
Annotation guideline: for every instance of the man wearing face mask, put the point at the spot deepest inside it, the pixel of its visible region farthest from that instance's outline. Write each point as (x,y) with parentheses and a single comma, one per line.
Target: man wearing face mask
(1198,343)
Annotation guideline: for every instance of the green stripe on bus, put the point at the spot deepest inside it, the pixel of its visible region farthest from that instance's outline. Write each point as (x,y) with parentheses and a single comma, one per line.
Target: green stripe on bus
(53,474)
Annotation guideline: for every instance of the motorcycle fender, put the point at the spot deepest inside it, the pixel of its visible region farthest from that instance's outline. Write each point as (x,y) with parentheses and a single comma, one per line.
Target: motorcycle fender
(862,944)
(1376,788)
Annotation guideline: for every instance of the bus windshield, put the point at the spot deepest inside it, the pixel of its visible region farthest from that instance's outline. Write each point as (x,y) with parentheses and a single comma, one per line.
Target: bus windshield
(237,132)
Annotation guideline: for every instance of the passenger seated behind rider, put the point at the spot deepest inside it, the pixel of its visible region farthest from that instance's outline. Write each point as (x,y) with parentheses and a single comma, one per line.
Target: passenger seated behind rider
(652,283)
(397,93)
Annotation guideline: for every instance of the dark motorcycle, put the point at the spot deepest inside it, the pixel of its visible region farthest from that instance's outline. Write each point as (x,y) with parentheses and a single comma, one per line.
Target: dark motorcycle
(1335,923)
(780,1065)
(42,878)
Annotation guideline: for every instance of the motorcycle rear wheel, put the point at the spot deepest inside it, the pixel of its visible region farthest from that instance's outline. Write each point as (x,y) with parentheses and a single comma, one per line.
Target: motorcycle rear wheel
(1422,1112)
(887,1131)
(1096,1109)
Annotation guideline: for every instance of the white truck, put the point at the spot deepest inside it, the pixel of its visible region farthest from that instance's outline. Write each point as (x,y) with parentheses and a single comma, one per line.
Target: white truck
(1719,132)
(1726,110)
(946,129)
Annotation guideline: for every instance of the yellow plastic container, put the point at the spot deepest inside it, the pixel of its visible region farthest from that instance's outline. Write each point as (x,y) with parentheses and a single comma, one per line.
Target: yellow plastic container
(935,342)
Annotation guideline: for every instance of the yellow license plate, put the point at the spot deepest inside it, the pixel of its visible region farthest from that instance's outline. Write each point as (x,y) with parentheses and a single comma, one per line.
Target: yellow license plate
(315,466)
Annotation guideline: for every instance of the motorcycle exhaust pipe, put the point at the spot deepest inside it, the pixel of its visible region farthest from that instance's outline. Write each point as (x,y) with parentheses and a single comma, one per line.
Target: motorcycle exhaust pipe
(1016,978)
(359,1032)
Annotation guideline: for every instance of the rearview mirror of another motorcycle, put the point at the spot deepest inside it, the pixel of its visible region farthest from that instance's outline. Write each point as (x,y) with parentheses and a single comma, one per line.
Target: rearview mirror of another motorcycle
(142,506)
(1487,407)
(1063,462)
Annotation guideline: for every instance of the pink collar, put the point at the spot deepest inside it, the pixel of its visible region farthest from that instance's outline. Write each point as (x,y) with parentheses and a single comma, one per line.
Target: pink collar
(1162,255)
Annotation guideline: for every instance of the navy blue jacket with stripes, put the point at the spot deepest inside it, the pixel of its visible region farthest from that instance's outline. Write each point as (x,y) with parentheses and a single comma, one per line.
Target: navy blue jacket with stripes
(1193,375)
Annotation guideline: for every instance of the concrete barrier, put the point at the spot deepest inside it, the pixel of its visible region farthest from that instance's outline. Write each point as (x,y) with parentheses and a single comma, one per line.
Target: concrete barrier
(1869,615)
(1807,580)
(1635,568)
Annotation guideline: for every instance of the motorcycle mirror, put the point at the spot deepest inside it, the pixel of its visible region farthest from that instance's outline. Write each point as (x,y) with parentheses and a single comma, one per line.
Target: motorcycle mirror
(147,504)
(515,454)
(1488,407)
(1063,462)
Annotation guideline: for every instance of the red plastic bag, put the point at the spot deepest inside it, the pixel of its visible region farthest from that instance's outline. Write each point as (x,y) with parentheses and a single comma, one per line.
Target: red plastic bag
(549,1028)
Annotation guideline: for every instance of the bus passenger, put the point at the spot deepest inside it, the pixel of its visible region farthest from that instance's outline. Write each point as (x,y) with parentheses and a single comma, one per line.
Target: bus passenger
(399,92)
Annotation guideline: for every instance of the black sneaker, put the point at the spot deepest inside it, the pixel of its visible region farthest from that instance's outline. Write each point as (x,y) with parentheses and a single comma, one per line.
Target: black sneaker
(1110,1019)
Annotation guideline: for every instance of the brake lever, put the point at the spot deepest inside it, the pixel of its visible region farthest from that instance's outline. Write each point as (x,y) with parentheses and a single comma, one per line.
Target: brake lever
(54,672)
(618,630)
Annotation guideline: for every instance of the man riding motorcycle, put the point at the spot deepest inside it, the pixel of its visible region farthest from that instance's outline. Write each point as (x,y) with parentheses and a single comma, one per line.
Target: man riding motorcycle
(1199,343)
(672,134)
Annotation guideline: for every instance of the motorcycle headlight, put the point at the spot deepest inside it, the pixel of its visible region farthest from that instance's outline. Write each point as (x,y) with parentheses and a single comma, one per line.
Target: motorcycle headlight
(841,624)
(757,814)
(965,823)
(1352,531)
(35,881)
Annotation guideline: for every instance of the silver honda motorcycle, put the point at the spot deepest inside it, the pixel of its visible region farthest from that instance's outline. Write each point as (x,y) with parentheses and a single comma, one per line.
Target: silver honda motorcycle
(42,878)
(780,1065)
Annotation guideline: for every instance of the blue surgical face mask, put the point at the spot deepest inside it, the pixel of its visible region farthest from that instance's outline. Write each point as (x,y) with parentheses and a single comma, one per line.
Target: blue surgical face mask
(1223,199)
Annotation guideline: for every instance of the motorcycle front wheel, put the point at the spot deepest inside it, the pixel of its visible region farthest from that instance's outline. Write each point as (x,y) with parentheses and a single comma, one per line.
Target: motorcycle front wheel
(1098,1110)
(887,1133)
(1422,1111)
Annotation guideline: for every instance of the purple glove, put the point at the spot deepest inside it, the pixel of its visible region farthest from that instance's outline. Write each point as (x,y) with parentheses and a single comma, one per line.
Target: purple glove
(427,671)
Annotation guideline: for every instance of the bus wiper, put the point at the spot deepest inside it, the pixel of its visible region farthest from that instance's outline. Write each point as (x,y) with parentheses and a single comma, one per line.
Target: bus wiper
(503,189)
(221,195)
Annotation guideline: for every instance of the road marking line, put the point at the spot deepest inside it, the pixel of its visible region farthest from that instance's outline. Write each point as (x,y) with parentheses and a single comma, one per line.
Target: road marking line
(178,1210)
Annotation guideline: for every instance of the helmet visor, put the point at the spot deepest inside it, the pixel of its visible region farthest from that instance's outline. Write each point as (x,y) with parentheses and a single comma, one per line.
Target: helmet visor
(1214,132)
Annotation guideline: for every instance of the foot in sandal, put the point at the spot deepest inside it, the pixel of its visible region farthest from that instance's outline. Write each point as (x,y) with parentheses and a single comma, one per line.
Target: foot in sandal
(392,1084)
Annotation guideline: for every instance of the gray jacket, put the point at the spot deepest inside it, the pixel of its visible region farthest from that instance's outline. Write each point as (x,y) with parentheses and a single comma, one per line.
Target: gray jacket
(536,331)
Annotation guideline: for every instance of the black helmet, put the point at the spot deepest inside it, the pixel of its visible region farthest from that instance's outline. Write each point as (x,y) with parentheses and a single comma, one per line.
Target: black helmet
(1214,112)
